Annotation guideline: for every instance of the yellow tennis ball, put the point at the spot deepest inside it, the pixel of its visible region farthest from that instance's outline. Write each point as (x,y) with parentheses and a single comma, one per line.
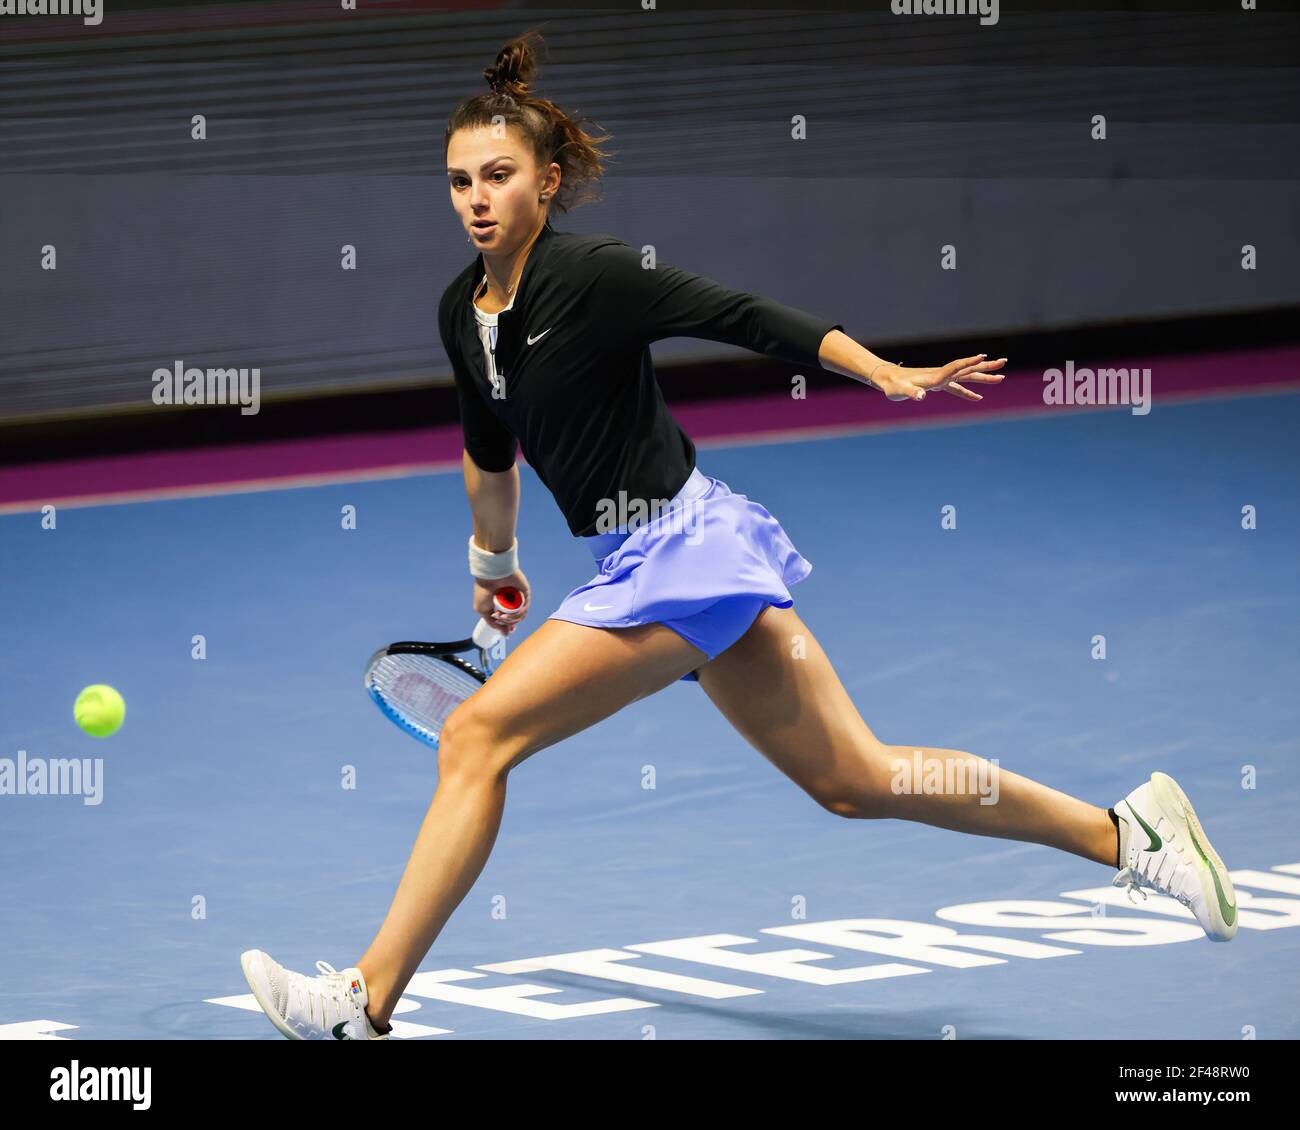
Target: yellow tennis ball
(99,710)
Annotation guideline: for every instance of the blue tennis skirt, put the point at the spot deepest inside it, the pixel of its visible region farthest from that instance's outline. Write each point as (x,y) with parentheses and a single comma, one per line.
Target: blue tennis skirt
(705,566)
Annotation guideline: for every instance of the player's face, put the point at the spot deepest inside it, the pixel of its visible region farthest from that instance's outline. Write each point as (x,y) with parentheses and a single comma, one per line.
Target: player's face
(494,186)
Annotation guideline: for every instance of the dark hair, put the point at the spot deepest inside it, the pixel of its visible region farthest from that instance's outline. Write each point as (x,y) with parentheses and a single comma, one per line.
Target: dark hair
(552,134)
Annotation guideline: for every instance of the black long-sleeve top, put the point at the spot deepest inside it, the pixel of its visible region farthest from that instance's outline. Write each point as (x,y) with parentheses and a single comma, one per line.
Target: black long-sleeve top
(573,360)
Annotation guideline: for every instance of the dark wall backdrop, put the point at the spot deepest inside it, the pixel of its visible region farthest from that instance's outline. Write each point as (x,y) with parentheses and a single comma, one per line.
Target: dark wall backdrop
(325,128)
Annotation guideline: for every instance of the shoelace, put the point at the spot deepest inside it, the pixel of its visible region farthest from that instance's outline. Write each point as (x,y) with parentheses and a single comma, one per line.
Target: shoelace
(1128,880)
(1133,880)
(329,993)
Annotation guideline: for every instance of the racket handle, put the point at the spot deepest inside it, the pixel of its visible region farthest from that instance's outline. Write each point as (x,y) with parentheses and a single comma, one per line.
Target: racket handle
(490,640)
(508,599)
(485,636)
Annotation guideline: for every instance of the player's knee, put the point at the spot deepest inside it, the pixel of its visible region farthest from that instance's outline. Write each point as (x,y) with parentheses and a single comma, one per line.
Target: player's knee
(851,805)
(859,785)
(863,794)
(472,746)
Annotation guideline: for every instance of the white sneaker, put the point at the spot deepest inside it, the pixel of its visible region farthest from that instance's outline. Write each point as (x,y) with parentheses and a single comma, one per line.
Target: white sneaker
(331,1006)
(1163,847)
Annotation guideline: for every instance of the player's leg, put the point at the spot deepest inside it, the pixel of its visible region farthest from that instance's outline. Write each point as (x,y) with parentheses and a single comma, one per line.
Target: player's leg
(563,678)
(779,690)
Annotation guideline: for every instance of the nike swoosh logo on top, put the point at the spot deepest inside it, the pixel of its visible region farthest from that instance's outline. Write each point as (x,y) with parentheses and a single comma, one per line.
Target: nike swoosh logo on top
(1150,831)
(532,340)
(595,607)
(340,1032)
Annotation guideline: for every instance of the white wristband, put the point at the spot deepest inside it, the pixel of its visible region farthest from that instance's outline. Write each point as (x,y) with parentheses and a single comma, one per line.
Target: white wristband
(493,566)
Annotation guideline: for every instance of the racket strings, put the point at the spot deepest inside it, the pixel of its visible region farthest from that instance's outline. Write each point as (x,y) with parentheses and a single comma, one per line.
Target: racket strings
(424,689)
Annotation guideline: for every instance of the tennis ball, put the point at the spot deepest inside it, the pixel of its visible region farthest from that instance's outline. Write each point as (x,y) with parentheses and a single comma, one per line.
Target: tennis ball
(99,710)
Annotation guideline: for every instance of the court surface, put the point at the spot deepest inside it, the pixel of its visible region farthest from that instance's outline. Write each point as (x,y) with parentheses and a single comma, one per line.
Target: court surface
(722,902)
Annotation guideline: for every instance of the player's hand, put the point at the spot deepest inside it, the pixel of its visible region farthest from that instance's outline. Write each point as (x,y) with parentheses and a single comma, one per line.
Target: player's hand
(505,622)
(899,383)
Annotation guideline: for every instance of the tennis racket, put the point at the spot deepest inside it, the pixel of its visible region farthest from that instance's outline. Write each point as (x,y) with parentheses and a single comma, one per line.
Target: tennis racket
(417,685)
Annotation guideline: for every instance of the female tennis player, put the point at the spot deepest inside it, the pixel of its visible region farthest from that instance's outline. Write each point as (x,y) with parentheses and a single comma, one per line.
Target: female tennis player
(548,335)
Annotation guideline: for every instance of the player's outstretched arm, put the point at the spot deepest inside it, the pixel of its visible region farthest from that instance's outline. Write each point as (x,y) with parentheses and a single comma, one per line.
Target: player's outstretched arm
(841,354)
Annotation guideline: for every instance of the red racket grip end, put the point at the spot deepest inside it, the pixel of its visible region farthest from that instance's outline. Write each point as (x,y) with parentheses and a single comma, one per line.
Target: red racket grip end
(508,599)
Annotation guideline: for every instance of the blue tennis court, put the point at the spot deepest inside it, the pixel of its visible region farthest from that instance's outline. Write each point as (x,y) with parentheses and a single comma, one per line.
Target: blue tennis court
(256,798)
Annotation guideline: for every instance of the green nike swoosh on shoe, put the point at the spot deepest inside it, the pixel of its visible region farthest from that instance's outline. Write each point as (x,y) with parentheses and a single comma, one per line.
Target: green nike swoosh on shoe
(1156,842)
(1178,860)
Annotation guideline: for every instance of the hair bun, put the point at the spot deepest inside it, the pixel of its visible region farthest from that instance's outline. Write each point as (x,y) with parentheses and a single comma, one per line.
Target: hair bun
(552,136)
(514,67)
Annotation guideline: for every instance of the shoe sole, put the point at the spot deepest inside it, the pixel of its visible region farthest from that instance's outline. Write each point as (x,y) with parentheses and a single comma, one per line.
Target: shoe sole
(1175,801)
(263,1001)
